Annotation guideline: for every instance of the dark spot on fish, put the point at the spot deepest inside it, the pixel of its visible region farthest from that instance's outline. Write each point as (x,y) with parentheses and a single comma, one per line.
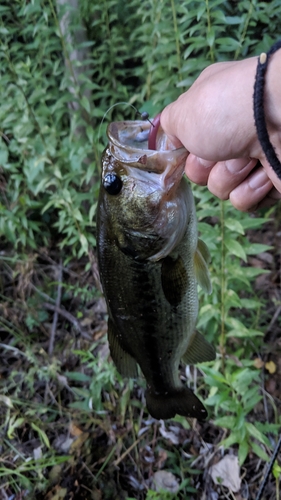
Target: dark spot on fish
(130,251)
(174,280)
(112,184)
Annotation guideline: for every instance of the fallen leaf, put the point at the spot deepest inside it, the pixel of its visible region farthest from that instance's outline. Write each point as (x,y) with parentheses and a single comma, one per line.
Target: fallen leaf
(271,367)
(74,430)
(164,480)
(169,434)
(63,443)
(161,459)
(55,473)
(7,401)
(59,494)
(258,363)
(37,453)
(78,443)
(227,473)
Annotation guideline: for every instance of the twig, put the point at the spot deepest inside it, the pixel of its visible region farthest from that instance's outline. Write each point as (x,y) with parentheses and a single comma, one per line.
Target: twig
(268,472)
(118,460)
(5,137)
(46,297)
(5,496)
(55,318)
(274,318)
(65,314)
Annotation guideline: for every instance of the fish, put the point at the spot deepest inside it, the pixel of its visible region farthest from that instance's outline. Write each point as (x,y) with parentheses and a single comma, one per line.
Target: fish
(150,261)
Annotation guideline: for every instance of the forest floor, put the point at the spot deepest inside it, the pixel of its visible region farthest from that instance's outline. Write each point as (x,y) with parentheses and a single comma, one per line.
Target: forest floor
(71,428)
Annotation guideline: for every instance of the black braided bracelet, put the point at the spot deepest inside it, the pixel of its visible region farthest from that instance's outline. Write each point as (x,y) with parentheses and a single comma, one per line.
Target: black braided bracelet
(259,115)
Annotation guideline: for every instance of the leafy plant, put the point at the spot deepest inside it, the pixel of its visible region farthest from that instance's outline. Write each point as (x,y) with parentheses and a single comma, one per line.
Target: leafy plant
(63,69)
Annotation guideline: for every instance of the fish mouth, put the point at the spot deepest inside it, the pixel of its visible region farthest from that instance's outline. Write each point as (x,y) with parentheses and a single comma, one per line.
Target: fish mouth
(131,143)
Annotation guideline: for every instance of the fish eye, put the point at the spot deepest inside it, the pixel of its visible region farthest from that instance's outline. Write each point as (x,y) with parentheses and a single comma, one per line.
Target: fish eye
(112,183)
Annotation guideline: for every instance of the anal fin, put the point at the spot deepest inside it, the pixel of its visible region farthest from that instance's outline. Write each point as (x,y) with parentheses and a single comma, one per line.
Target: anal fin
(199,350)
(125,363)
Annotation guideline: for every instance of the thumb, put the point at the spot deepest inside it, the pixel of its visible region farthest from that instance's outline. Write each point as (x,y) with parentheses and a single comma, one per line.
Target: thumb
(168,125)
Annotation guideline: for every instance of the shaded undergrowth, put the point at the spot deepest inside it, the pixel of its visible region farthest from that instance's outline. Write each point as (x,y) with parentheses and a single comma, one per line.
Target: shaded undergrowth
(70,426)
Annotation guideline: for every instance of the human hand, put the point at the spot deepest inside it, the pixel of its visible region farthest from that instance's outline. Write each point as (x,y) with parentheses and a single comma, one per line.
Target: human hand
(214,121)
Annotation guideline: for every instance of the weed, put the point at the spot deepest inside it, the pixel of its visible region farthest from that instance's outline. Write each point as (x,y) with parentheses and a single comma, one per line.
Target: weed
(56,84)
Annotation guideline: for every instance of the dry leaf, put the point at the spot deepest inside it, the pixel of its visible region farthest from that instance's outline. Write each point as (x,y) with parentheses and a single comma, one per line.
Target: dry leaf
(56,493)
(78,443)
(74,431)
(164,480)
(37,453)
(63,443)
(271,367)
(161,459)
(227,473)
(169,434)
(258,363)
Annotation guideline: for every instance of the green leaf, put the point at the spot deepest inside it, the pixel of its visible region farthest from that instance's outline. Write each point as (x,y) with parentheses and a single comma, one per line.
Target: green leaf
(228,422)
(234,437)
(257,248)
(42,434)
(252,429)
(235,248)
(234,225)
(92,212)
(79,377)
(3,156)
(276,470)
(211,37)
(86,104)
(244,333)
(259,451)
(233,19)
(243,451)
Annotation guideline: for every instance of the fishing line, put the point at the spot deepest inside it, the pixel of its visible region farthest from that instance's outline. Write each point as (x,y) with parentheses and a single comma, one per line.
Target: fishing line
(144,115)
(269,469)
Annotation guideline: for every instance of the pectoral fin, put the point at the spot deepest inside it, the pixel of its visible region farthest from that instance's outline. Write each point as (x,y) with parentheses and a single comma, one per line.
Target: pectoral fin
(125,363)
(174,279)
(204,250)
(199,350)
(201,258)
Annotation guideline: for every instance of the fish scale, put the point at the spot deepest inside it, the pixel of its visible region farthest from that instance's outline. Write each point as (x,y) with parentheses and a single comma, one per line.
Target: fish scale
(150,261)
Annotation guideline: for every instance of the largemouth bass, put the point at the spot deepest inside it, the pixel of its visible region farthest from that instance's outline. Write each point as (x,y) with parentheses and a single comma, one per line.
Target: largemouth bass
(150,262)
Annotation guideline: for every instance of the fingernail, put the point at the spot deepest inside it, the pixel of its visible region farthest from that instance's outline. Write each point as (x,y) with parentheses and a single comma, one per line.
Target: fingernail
(235,166)
(258,179)
(203,163)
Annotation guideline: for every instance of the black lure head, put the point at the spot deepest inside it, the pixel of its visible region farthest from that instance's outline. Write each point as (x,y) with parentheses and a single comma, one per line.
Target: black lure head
(112,183)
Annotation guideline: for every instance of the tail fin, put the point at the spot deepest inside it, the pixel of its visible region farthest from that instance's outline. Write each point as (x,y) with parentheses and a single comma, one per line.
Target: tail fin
(180,401)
